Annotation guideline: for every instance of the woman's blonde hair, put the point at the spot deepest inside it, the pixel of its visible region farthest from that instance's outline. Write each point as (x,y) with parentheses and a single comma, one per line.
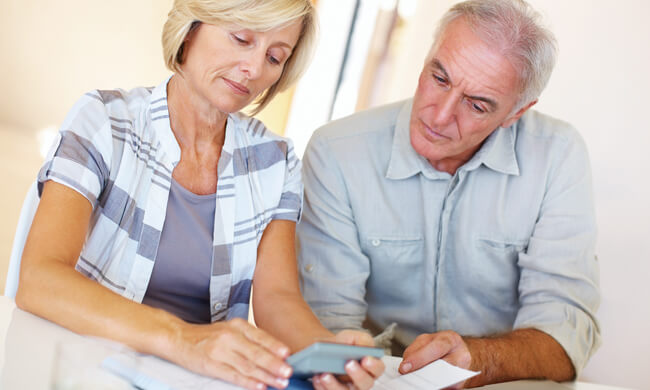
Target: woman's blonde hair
(255,15)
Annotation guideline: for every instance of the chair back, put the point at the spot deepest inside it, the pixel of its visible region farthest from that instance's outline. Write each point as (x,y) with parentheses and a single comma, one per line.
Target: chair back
(24,223)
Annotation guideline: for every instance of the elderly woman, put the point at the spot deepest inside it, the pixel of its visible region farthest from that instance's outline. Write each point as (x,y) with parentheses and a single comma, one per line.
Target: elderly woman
(170,197)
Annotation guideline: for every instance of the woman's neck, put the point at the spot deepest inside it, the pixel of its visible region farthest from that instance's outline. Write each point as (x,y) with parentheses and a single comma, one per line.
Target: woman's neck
(195,124)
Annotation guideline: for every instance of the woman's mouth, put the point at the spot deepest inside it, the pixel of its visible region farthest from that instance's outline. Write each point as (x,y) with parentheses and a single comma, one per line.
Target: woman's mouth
(236,87)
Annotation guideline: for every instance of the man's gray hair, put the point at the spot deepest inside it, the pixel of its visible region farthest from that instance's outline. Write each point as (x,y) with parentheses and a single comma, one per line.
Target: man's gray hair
(514,27)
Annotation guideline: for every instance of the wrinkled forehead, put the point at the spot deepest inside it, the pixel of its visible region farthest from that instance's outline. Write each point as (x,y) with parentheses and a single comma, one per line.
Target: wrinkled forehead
(459,34)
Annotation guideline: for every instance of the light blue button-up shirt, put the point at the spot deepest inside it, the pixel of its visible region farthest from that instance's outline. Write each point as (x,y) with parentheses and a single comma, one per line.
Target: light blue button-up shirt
(505,243)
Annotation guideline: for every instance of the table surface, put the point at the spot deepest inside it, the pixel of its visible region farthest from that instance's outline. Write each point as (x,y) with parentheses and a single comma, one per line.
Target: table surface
(28,344)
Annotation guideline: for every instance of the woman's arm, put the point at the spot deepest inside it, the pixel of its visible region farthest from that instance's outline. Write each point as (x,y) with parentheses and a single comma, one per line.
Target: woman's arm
(51,288)
(276,291)
(279,308)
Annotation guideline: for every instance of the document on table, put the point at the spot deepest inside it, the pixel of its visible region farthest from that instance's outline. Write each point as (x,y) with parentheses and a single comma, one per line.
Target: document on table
(437,375)
(152,373)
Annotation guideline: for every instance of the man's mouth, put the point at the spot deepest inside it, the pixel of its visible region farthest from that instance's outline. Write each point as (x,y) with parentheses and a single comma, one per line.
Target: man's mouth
(433,134)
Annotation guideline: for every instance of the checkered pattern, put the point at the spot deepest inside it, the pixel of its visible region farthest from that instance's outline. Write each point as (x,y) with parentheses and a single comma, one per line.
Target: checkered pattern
(117,149)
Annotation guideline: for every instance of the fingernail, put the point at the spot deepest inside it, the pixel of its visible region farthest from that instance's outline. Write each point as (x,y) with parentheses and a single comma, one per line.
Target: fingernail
(286,371)
(328,378)
(351,365)
(283,382)
(284,351)
(406,367)
(259,386)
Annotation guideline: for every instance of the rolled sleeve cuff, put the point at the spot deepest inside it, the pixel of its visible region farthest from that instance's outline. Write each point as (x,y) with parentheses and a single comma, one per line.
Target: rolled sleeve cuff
(576,331)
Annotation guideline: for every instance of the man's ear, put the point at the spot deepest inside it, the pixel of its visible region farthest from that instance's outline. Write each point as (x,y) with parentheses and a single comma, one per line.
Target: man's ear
(514,117)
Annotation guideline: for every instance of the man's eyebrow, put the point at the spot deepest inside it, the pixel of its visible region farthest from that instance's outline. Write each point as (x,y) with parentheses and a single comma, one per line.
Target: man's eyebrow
(490,102)
(436,64)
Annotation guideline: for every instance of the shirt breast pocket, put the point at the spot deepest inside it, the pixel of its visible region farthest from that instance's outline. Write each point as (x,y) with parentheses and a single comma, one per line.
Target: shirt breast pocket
(497,269)
(396,265)
(397,250)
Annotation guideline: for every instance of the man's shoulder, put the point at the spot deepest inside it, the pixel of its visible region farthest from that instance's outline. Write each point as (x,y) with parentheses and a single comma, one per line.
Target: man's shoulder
(379,120)
(550,142)
(539,125)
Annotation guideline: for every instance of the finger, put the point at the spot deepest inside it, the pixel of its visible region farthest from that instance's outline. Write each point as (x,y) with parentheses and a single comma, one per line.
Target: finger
(329,382)
(375,367)
(317,383)
(360,377)
(437,348)
(229,374)
(257,357)
(417,344)
(355,338)
(246,367)
(262,338)
(263,358)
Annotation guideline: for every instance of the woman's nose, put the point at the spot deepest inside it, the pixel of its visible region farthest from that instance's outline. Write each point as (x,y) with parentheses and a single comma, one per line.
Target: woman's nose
(253,64)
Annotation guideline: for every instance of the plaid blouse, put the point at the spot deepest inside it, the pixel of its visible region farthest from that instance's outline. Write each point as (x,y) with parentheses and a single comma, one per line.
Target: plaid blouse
(117,149)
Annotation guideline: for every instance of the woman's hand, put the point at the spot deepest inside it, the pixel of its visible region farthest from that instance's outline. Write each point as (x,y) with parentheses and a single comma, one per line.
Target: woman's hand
(236,352)
(360,376)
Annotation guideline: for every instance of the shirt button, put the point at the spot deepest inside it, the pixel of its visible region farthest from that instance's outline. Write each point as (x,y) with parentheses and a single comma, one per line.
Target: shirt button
(376,242)
(217,306)
(309,268)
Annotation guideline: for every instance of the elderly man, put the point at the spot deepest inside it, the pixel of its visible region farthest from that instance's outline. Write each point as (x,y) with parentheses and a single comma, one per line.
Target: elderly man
(460,214)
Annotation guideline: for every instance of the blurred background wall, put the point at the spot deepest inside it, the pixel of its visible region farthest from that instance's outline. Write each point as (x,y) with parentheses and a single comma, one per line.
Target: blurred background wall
(370,53)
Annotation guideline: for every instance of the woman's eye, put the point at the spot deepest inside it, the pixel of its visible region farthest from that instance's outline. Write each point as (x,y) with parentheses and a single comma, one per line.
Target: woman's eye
(274,60)
(240,39)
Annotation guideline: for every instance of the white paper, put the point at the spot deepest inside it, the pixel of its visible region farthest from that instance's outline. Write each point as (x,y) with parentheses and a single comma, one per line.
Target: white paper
(436,375)
(152,373)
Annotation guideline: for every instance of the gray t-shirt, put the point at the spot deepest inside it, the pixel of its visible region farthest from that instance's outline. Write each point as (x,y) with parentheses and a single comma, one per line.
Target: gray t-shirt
(180,281)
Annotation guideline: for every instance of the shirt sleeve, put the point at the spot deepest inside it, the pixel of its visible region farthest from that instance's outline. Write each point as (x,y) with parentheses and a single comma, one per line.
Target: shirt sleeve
(559,280)
(290,205)
(333,268)
(80,155)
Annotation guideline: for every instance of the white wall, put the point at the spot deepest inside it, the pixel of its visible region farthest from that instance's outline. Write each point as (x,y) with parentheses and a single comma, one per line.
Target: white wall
(54,51)
(600,85)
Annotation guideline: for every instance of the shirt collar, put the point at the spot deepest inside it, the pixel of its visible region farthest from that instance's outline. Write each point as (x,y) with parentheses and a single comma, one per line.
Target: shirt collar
(497,152)
(158,113)
(404,160)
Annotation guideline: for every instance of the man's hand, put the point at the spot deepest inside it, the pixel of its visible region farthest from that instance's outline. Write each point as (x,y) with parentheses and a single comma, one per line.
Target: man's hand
(427,348)
(520,354)
(360,376)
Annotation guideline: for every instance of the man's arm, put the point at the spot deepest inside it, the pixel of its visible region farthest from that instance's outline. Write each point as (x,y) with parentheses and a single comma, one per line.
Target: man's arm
(555,330)
(333,269)
(523,353)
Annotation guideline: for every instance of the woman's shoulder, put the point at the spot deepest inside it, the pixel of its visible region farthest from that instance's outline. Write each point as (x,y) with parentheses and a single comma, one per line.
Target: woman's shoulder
(116,103)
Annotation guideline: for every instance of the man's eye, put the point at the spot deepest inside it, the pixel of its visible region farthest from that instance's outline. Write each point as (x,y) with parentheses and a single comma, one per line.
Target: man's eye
(477,108)
(439,79)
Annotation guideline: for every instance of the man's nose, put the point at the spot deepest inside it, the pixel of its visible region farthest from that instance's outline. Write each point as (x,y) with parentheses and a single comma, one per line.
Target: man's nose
(445,112)
(252,64)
